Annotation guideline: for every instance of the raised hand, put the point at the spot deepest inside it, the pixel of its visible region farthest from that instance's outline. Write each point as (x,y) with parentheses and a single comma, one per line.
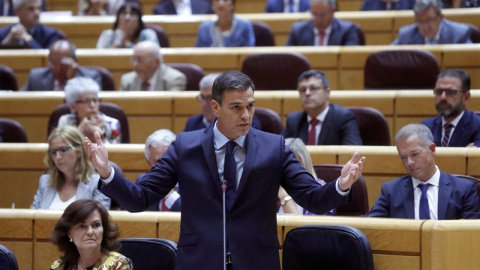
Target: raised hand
(98,155)
(351,171)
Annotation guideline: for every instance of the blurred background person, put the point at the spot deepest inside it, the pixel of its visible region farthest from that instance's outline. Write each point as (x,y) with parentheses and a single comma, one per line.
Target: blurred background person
(98,7)
(228,30)
(182,7)
(287,6)
(81,95)
(127,30)
(70,175)
(87,239)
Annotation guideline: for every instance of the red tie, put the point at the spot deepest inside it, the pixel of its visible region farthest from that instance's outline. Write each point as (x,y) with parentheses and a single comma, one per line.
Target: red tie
(311,133)
(321,38)
(164,206)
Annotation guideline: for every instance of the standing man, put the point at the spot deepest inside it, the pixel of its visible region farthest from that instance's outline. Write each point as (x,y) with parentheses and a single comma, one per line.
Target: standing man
(323,29)
(150,73)
(321,123)
(426,192)
(455,126)
(253,164)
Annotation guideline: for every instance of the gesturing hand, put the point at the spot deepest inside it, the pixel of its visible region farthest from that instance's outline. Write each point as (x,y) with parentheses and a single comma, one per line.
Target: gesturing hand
(98,155)
(351,171)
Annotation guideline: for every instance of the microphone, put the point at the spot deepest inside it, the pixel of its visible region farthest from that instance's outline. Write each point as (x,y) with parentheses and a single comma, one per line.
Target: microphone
(224,212)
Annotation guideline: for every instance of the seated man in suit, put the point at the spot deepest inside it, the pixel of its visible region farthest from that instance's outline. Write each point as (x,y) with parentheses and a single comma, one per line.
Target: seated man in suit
(182,7)
(62,66)
(287,6)
(431,27)
(321,123)
(28,32)
(205,119)
(387,4)
(155,146)
(6,7)
(455,126)
(426,192)
(150,73)
(323,29)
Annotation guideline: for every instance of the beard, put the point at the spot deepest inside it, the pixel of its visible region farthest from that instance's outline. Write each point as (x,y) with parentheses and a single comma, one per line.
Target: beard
(448,110)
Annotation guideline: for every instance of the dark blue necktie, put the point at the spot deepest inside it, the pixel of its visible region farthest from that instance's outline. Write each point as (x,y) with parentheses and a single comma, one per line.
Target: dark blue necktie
(230,174)
(291,6)
(424,209)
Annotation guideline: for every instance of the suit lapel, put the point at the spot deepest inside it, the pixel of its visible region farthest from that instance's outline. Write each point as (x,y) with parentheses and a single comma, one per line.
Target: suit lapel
(408,198)
(209,152)
(251,148)
(333,37)
(326,125)
(444,193)
(303,127)
(437,131)
(49,82)
(460,128)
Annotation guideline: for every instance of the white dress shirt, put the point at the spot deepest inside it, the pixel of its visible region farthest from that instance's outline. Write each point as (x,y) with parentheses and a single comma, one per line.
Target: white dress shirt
(318,127)
(454,122)
(432,194)
(327,31)
(183,7)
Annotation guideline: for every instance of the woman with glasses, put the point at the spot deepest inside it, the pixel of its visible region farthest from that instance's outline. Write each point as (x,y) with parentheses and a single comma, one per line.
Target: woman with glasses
(81,95)
(70,175)
(127,30)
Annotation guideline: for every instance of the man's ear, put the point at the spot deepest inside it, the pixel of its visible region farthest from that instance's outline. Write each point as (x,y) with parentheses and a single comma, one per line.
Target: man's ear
(215,106)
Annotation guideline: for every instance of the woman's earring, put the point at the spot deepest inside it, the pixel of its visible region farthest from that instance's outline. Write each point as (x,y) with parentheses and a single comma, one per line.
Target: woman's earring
(71,240)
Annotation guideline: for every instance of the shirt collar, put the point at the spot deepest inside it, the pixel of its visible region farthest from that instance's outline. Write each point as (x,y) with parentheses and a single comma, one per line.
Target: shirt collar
(434,181)
(321,116)
(220,140)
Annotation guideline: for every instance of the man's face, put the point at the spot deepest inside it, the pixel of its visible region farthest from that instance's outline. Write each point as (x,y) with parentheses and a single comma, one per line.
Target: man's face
(429,22)
(236,112)
(58,63)
(322,15)
(418,161)
(144,63)
(450,105)
(155,154)
(29,13)
(205,100)
(313,95)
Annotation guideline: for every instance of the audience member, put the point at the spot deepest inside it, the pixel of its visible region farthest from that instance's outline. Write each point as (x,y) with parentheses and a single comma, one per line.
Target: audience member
(182,7)
(205,119)
(323,29)
(253,164)
(455,126)
(321,123)
(87,239)
(127,30)
(387,4)
(460,3)
(155,146)
(150,73)
(62,66)
(228,30)
(28,33)
(287,6)
(98,7)
(426,192)
(81,95)
(431,27)
(70,175)
(6,7)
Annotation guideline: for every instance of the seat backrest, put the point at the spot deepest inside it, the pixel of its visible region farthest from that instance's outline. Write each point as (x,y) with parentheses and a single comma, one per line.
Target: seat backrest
(150,253)
(474,33)
(263,34)
(8,80)
(108,83)
(400,69)
(7,259)
(12,131)
(326,247)
(270,120)
(373,126)
(276,71)
(472,179)
(359,203)
(193,72)
(161,35)
(110,109)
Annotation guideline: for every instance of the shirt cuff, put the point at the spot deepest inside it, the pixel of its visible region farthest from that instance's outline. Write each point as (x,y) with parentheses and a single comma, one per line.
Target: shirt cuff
(110,177)
(171,199)
(343,193)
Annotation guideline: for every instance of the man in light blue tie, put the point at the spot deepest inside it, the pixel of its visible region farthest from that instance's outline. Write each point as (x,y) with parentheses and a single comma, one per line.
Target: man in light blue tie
(426,193)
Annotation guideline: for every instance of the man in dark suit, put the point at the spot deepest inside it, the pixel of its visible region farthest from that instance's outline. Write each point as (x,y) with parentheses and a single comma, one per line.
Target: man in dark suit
(6,7)
(426,193)
(182,7)
(62,66)
(28,32)
(287,6)
(431,27)
(253,164)
(323,29)
(387,5)
(321,123)
(455,126)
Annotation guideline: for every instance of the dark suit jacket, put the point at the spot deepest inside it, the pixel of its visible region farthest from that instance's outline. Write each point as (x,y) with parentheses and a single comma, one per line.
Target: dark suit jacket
(381,5)
(339,128)
(41,79)
(43,36)
(277,6)
(457,199)
(11,12)
(466,131)
(166,7)
(451,33)
(176,207)
(252,220)
(343,33)
(195,122)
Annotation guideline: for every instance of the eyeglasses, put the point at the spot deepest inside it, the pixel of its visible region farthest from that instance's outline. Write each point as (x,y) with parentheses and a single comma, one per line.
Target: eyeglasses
(313,89)
(88,101)
(140,60)
(448,92)
(201,98)
(62,150)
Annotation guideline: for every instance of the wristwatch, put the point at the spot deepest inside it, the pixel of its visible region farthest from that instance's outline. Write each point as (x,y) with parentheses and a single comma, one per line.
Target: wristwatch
(285,200)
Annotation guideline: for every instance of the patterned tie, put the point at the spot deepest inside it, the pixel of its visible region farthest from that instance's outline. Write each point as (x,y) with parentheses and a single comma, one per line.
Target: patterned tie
(424,209)
(321,38)
(163,206)
(230,174)
(291,6)
(446,136)
(145,85)
(311,134)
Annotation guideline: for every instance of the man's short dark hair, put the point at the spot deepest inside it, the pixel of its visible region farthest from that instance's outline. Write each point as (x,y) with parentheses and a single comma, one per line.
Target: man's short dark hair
(457,74)
(230,80)
(315,74)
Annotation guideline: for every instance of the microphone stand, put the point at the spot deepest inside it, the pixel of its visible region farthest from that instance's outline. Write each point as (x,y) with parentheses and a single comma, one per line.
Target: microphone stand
(224,212)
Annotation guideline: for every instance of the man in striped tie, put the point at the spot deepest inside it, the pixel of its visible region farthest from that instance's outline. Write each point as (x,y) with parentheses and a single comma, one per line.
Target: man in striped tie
(454,126)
